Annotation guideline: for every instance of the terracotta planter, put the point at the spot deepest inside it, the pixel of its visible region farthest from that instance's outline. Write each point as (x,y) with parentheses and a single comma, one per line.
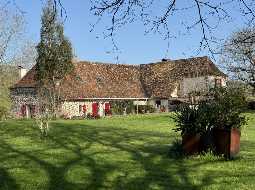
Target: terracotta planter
(207,141)
(227,141)
(191,143)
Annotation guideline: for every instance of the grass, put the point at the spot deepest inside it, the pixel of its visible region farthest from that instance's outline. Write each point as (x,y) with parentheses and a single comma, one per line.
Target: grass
(115,153)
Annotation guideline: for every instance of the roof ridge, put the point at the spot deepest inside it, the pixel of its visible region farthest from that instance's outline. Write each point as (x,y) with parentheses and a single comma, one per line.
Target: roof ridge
(175,60)
(101,63)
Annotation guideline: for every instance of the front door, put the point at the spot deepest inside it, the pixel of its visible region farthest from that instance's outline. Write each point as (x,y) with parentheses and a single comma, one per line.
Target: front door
(23,111)
(28,111)
(95,109)
(107,108)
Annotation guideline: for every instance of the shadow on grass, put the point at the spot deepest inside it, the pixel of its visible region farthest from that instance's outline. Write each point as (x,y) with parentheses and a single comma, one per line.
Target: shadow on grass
(6,181)
(159,168)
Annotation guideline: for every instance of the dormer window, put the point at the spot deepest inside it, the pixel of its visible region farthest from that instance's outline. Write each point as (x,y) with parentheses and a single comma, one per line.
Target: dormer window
(99,80)
(79,79)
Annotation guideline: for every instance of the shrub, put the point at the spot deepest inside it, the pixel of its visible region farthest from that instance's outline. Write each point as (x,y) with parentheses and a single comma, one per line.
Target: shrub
(77,117)
(118,107)
(222,109)
(191,119)
(3,112)
(91,116)
(226,106)
(146,109)
(251,105)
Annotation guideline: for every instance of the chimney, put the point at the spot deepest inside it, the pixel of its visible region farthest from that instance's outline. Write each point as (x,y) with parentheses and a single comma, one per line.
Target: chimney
(22,72)
(165,60)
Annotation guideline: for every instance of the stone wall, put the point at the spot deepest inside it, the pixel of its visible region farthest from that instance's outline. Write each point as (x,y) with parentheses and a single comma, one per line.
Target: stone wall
(73,108)
(198,84)
(23,97)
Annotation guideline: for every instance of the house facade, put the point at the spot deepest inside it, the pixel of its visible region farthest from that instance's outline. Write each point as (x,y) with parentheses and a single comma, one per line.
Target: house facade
(92,87)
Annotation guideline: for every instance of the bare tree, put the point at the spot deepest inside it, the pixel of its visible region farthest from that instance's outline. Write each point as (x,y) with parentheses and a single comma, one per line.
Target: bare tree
(26,56)
(11,31)
(239,56)
(158,16)
(161,16)
(12,40)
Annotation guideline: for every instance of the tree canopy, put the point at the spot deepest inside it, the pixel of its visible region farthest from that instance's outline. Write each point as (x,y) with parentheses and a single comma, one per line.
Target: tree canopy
(55,56)
(54,50)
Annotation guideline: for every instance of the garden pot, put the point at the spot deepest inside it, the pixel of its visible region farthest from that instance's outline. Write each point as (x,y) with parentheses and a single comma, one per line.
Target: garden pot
(207,141)
(191,143)
(227,141)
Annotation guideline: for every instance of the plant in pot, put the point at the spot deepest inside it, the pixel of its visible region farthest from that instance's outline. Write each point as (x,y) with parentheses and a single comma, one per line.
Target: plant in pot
(191,123)
(227,119)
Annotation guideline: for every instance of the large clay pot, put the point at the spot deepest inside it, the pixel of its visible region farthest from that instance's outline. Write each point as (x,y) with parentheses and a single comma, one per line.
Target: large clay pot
(191,143)
(227,141)
(207,141)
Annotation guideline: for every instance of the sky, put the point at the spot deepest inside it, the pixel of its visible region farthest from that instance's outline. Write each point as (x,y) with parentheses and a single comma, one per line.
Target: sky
(135,47)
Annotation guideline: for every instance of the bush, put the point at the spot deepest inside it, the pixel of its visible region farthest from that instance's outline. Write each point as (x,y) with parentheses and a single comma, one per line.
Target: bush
(3,112)
(222,109)
(226,106)
(91,116)
(77,117)
(191,119)
(118,107)
(174,104)
(146,109)
(251,105)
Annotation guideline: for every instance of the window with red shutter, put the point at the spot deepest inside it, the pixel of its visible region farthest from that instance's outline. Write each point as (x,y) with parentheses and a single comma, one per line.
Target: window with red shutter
(95,109)
(107,108)
(23,110)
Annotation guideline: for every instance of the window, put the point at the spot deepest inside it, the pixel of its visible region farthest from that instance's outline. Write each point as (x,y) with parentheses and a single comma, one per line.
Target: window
(158,102)
(107,108)
(99,81)
(218,82)
(23,110)
(32,110)
(82,108)
(79,79)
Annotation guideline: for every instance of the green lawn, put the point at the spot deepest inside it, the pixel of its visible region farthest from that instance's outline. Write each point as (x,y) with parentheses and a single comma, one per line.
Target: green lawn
(115,153)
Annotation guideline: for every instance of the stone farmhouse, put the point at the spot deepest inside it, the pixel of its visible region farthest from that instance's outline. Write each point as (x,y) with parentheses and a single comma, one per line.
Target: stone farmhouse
(92,86)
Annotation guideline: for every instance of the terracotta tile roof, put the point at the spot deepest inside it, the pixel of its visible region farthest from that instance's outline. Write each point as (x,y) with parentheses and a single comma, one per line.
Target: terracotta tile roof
(28,81)
(160,79)
(100,80)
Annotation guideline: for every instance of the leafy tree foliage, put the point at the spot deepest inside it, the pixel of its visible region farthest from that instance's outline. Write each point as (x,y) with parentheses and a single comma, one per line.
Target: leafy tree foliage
(54,59)
(5,82)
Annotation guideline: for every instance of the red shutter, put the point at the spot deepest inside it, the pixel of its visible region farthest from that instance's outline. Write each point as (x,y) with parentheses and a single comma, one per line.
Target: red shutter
(107,108)
(95,109)
(23,110)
